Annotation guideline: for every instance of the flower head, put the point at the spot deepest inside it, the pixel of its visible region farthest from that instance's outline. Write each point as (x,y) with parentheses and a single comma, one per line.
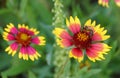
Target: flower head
(85,39)
(105,2)
(21,39)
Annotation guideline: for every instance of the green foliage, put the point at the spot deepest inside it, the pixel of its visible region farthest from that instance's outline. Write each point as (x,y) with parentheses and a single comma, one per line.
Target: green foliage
(45,15)
(31,75)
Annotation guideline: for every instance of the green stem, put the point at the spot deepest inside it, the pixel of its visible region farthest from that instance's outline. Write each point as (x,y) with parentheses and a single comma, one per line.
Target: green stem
(62,68)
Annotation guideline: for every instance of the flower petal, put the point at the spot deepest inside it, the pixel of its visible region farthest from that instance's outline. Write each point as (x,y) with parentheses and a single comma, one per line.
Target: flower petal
(90,23)
(65,35)
(61,33)
(64,39)
(38,40)
(103,2)
(8,36)
(74,24)
(34,31)
(59,43)
(11,29)
(66,42)
(96,51)
(96,37)
(28,51)
(25,29)
(58,31)
(23,53)
(99,34)
(12,48)
(117,2)
(32,53)
(77,54)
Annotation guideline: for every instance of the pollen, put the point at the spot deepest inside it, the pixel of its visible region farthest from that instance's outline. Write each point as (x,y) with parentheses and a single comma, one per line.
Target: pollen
(82,36)
(82,39)
(23,37)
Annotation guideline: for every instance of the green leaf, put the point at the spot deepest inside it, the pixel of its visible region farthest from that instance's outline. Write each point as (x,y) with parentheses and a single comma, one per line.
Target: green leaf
(31,17)
(49,51)
(31,75)
(43,72)
(4,60)
(1,30)
(42,11)
(3,11)
(23,5)
(92,72)
(12,4)
(18,66)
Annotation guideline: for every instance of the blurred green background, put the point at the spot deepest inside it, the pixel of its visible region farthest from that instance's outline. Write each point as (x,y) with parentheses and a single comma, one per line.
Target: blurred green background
(45,15)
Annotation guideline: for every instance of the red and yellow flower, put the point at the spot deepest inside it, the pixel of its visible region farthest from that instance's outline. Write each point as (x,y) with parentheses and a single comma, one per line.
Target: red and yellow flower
(21,39)
(105,2)
(83,40)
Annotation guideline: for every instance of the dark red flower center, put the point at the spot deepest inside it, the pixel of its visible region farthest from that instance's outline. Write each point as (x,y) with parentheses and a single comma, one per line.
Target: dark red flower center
(83,39)
(23,39)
